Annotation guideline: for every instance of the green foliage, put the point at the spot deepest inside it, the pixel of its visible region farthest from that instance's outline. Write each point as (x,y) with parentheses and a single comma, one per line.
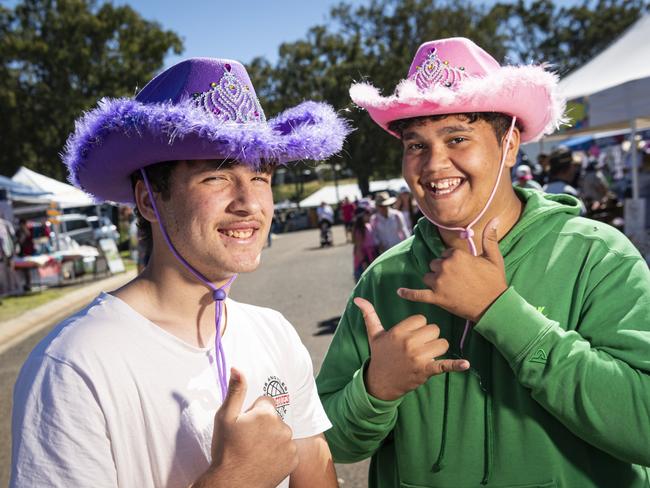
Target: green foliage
(57,58)
(377,41)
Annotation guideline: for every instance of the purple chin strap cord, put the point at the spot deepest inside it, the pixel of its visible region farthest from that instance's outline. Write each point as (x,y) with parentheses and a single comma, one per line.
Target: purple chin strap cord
(218,294)
(467,232)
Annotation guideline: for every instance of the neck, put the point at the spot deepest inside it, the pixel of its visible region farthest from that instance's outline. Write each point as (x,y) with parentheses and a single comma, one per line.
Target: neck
(169,296)
(508,209)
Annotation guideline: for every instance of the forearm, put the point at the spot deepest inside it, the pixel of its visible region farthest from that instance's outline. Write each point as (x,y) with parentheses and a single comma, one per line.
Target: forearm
(316,467)
(581,385)
(361,422)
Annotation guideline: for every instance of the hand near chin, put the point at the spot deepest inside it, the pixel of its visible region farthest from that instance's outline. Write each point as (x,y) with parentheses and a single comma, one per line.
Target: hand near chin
(463,284)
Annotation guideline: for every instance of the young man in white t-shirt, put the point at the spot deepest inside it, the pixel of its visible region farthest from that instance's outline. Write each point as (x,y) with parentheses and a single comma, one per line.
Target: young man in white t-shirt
(166,382)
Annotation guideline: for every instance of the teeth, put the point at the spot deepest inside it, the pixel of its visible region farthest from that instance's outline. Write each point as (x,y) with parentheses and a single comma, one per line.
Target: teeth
(238,234)
(442,187)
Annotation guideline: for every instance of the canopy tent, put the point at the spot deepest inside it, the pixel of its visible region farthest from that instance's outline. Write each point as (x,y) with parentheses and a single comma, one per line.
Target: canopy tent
(614,90)
(623,61)
(332,196)
(19,191)
(66,196)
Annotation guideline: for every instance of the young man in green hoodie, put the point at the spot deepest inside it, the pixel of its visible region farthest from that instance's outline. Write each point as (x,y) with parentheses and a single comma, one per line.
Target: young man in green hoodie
(506,343)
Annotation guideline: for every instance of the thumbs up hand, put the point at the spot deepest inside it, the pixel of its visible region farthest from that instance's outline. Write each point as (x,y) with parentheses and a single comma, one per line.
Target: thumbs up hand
(463,284)
(251,448)
(403,358)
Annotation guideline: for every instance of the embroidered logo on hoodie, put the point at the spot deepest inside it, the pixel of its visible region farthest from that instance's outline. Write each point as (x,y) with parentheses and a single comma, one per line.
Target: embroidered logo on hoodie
(539,357)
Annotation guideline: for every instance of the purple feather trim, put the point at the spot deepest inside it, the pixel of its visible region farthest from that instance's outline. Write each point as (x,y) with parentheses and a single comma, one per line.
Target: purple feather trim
(311,130)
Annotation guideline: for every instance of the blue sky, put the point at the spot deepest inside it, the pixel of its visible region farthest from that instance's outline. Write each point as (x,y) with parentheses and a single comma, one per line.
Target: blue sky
(237,29)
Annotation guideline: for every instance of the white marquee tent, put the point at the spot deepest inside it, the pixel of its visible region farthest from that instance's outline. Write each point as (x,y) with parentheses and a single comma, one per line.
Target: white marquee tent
(67,196)
(616,87)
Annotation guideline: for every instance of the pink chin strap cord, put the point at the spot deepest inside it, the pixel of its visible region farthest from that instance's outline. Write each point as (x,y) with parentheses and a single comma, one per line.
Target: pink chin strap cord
(219,294)
(467,232)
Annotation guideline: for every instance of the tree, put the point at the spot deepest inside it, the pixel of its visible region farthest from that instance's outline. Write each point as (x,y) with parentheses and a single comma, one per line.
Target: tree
(377,41)
(58,57)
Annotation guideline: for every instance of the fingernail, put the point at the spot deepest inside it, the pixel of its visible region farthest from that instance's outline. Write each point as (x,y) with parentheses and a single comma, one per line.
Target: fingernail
(464,364)
(400,292)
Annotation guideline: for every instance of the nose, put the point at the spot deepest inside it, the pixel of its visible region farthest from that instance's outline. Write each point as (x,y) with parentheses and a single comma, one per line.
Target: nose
(436,160)
(245,200)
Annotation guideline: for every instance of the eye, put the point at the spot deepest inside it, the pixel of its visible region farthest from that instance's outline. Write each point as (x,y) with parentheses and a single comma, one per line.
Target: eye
(415,147)
(262,178)
(456,140)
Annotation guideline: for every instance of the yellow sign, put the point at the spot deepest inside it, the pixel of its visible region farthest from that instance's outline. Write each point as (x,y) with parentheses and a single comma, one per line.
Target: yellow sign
(52,212)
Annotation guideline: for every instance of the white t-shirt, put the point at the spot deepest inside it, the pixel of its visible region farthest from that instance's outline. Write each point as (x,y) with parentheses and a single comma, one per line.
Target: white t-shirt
(325,213)
(389,230)
(110,399)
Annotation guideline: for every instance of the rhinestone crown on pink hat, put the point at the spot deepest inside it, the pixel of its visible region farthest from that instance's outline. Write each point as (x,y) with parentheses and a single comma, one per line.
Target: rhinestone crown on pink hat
(455,75)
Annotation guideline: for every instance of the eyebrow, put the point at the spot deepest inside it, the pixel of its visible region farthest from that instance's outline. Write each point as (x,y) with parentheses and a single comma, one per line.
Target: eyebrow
(452,129)
(446,130)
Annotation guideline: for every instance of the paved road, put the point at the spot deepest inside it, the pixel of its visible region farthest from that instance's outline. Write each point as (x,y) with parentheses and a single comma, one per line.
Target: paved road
(307,284)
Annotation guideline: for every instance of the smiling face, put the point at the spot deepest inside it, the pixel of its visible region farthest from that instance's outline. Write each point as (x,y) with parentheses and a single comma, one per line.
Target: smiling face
(451,166)
(217,216)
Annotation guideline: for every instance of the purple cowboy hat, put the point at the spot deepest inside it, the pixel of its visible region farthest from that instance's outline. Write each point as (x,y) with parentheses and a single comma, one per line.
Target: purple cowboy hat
(201,108)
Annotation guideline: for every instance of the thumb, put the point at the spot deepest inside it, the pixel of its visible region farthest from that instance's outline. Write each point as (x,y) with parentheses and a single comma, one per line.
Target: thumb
(491,242)
(370,317)
(232,405)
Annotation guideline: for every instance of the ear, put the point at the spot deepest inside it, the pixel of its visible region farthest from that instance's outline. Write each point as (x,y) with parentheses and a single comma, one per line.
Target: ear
(143,202)
(513,147)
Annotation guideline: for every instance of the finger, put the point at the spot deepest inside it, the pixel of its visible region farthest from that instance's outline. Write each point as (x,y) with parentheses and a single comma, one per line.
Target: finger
(491,242)
(422,296)
(426,333)
(411,323)
(435,265)
(447,252)
(370,317)
(447,366)
(263,402)
(232,405)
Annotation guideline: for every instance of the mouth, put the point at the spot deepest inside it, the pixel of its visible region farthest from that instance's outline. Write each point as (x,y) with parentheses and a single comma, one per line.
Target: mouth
(444,187)
(242,232)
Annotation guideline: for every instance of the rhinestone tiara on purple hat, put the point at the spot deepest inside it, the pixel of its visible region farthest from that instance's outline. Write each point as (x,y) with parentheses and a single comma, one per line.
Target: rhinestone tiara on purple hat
(200,108)
(451,76)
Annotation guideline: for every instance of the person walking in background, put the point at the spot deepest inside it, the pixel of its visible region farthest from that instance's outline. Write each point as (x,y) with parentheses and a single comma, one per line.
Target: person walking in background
(387,224)
(364,250)
(24,239)
(524,178)
(347,215)
(594,188)
(325,216)
(563,169)
(405,205)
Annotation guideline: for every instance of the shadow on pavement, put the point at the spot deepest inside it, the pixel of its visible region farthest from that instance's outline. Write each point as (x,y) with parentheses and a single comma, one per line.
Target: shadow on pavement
(327,326)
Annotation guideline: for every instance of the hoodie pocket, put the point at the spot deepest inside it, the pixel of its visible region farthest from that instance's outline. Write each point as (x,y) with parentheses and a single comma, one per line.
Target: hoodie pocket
(547,484)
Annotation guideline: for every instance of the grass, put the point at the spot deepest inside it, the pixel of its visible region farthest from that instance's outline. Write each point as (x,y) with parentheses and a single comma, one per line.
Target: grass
(12,307)
(287,191)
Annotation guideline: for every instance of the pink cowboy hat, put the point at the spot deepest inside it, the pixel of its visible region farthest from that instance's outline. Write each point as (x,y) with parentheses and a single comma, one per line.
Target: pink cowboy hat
(456,76)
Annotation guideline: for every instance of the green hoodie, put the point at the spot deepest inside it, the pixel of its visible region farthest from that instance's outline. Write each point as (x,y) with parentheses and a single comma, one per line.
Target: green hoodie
(559,389)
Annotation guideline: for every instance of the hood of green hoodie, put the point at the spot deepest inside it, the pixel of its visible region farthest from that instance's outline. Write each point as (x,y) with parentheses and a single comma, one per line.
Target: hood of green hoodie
(531,227)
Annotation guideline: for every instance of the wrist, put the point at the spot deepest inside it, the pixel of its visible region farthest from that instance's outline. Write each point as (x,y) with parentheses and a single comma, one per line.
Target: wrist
(499,291)
(375,390)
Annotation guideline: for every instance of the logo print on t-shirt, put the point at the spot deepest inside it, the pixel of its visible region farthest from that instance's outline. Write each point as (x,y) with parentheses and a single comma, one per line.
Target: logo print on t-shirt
(278,391)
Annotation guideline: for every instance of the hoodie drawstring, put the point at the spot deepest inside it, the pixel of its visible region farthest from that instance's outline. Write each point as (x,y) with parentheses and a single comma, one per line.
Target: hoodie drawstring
(467,232)
(438,465)
(219,294)
(487,424)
